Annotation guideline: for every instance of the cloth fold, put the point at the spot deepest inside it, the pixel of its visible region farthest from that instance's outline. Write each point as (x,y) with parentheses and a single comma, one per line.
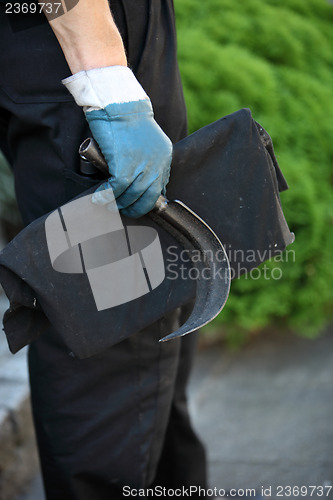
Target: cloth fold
(226,172)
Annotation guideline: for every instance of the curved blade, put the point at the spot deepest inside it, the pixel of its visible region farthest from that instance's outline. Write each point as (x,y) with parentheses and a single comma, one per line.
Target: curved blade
(213,283)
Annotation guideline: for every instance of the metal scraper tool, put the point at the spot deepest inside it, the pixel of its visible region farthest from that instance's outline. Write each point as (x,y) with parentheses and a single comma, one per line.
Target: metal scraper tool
(213,283)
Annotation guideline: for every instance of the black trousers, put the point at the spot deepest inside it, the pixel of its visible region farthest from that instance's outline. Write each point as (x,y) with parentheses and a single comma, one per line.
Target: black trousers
(119,418)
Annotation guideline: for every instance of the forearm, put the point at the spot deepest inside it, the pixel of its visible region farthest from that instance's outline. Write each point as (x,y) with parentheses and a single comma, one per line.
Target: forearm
(89,37)
(118,110)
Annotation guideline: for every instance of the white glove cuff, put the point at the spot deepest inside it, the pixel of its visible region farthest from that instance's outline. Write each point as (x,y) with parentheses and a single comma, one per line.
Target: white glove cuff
(96,88)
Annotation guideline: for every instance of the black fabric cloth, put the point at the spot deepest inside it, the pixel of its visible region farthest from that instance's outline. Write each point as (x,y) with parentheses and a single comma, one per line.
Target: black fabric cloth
(101,423)
(40,115)
(226,172)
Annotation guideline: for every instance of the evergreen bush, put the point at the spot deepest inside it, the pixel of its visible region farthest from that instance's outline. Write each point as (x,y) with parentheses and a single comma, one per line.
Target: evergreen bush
(274,57)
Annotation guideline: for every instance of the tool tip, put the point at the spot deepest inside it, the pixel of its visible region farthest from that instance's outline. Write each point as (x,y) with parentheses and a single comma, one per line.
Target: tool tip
(173,335)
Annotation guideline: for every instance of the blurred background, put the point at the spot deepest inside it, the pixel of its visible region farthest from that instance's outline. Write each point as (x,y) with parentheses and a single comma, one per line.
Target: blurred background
(276,58)
(274,336)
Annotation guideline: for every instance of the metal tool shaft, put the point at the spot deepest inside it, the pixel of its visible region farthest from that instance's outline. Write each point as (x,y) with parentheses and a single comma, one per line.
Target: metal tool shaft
(89,151)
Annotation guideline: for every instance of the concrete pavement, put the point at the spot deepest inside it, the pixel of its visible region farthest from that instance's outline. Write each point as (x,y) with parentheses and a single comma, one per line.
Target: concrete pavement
(264,412)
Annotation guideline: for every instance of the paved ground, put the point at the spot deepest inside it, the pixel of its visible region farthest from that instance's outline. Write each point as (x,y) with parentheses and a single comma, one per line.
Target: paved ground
(265,413)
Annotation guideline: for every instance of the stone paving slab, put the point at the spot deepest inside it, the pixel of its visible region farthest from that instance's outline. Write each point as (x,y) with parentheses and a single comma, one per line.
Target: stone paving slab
(18,457)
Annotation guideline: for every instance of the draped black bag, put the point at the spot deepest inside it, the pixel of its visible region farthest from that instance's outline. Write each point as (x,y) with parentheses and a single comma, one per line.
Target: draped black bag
(226,172)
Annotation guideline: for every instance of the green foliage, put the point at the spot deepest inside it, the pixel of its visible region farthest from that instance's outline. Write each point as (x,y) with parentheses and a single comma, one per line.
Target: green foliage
(276,58)
(8,206)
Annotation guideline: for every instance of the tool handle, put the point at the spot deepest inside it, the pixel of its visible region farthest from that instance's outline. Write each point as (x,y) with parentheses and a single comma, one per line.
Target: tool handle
(89,151)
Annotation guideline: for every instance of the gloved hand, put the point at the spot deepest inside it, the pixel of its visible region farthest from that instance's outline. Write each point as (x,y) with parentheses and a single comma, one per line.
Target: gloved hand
(121,119)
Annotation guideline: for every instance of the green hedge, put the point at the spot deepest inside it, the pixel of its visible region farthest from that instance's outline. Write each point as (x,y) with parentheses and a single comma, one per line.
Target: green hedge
(276,58)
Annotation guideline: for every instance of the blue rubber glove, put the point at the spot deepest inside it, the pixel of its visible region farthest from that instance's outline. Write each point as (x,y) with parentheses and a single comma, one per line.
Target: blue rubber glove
(121,119)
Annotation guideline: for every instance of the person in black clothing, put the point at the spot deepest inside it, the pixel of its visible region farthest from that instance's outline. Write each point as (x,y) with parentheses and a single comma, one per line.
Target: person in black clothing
(119,418)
